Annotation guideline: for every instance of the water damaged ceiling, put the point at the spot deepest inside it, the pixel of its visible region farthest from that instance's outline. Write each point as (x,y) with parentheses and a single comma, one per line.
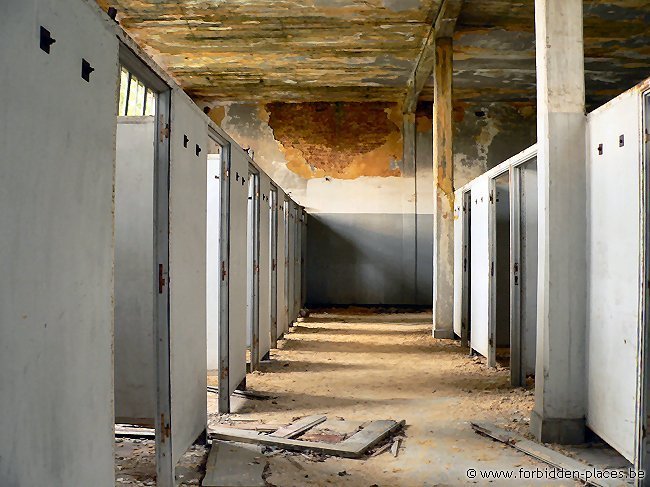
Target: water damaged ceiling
(494,49)
(365,50)
(283,50)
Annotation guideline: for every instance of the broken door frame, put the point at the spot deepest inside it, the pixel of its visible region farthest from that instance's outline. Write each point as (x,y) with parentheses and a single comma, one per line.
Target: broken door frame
(273,235)
(253,274)
(165,468)
(643,381)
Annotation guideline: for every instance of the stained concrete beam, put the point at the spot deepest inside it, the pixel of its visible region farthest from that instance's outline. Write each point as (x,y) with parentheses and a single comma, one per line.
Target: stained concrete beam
(442,27)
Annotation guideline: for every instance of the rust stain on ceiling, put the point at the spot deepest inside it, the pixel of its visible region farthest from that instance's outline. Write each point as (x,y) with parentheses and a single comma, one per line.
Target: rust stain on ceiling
(283,50)
(494,50)
(365,50)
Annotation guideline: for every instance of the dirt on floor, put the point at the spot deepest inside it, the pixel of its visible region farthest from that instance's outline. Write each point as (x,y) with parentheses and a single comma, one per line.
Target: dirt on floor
(358,366)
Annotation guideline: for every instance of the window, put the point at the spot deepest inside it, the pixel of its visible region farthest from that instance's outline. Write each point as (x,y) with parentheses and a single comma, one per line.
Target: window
(135,98)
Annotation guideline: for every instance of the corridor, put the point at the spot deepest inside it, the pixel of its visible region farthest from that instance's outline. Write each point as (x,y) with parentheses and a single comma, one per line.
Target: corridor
(359,366)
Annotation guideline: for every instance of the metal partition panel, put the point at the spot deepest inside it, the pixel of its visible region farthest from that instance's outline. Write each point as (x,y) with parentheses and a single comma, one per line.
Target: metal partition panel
(297,258)
(458,261)
(57,154)
(237,273)
(291,246)
(187,274)
(480,289)
(134,346)
(303,260)
(528,224)
(273,265)
(282,265)
(613,270)
(500,267)
(265,267)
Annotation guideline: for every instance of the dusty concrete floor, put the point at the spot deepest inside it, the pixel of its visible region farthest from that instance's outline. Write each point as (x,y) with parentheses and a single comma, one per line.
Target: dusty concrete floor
(363,367)
(357,366)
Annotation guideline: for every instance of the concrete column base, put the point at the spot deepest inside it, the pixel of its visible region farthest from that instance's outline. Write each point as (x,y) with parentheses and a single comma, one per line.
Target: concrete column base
(444,334)
(558,430)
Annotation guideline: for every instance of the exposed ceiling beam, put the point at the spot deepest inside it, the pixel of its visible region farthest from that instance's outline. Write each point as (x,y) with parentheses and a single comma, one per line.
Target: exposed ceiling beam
(443,26)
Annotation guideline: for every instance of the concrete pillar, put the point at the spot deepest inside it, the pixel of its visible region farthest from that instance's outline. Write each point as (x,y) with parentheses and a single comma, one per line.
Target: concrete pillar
(559,410)
(443,215)
(409,208)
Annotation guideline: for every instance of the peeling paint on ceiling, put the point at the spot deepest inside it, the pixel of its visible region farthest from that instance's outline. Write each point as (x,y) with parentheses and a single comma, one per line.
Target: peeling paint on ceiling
(283,50)
(494,50)
(365,50)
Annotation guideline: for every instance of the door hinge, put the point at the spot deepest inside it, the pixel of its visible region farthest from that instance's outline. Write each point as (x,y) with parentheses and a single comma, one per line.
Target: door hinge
(223,270)
(164,129)
(161,278)
(516,273)
(165,428)
(492,269)
(491,197)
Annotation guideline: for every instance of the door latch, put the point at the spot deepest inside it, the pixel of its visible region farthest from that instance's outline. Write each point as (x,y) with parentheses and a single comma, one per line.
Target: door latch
(161,278)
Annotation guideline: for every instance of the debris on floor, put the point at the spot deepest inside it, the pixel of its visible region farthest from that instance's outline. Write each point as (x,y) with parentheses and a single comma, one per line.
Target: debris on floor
(245,394)
(354,446)
(540,452)
(133,431)
(235,465)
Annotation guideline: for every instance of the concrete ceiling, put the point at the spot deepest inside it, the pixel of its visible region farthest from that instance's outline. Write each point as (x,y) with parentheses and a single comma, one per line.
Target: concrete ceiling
(283,50)
(494,49)
(365,50)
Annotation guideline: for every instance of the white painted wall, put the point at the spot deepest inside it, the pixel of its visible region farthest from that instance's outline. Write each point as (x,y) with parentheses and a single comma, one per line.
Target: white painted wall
(135,354)
(213,258)
(57,156)
(613,270)
(187,273)
(265,266)
(480,289)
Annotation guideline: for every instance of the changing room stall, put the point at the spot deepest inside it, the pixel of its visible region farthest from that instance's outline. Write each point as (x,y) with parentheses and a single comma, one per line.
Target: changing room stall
(160,306)
(283,316)
(524,223)
(57,153)
(264,264)
(462,263)
(291,259)
(234,376)
(617,176)
(135,296)
(187,267)
(495,264)
(481,267)
(217,151)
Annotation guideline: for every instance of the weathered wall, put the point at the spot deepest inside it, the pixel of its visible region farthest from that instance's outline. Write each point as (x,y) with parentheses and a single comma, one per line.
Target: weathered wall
(343,162)
(489,133)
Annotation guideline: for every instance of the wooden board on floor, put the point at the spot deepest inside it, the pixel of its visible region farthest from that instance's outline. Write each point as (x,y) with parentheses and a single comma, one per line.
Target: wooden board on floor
(299,427)
(234,465)
(353,447)
(546,455)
